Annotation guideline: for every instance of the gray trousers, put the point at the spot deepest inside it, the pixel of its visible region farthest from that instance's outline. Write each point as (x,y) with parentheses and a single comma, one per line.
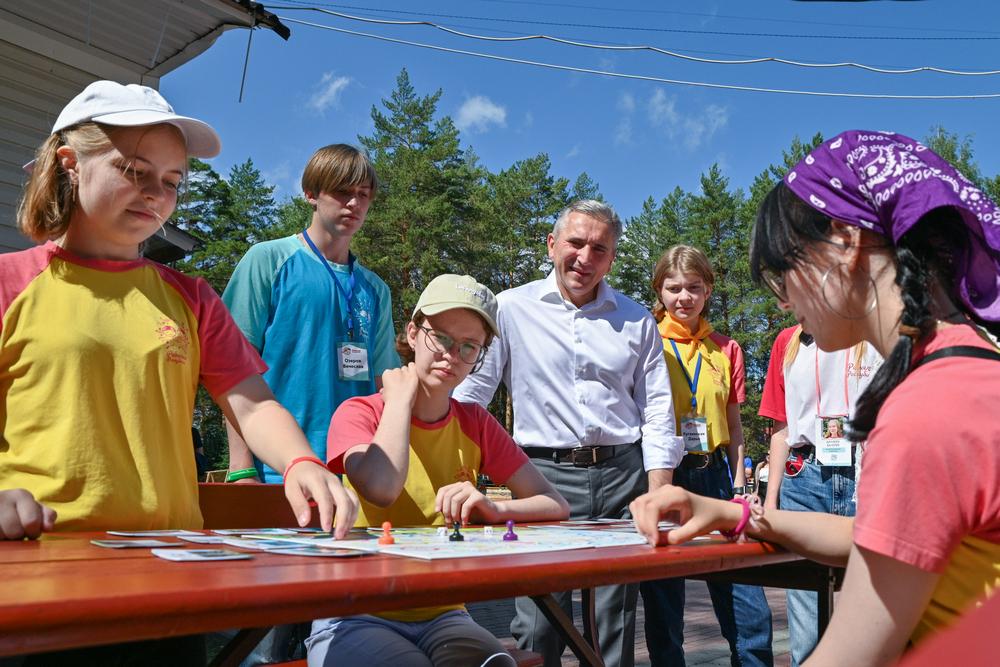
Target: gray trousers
(601,491)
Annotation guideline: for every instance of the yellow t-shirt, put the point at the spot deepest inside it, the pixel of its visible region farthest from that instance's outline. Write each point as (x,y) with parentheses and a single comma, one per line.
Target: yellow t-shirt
(467,442)
(99,363)
(722,381)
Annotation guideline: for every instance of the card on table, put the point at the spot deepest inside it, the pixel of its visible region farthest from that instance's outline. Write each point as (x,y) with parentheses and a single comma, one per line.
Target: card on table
(203,539)
(170,532)
(193,555)
(317,551)
(254,531)
(132,544)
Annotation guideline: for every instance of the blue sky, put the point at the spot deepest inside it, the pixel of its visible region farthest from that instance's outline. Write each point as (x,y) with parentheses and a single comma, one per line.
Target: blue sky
(635,138)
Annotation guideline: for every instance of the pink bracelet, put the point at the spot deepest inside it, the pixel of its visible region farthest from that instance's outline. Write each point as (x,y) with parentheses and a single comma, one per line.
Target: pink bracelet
(291,465)
(737,532)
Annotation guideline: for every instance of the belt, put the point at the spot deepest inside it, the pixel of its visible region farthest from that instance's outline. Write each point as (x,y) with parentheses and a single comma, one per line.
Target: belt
(693,461)
(581,457)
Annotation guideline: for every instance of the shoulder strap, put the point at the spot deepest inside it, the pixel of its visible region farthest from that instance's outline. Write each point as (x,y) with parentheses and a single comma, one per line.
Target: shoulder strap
(960,351)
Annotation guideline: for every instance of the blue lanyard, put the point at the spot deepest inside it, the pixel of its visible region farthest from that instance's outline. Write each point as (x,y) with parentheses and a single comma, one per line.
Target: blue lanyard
(348,292)
(692,384)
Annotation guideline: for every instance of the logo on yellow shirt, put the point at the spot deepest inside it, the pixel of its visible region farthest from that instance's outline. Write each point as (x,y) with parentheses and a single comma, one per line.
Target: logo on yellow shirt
(465,474)
(175,338)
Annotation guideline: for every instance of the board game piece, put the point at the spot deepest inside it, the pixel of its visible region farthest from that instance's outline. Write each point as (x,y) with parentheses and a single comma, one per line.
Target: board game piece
(386,534)
(488,531)
(442,533)
(510,535)
(457,535)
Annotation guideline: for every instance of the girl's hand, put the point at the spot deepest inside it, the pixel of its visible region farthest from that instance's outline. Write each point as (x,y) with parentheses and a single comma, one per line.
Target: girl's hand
(456,502)
(22,516)
(697,515)
(310,481)
(400,384)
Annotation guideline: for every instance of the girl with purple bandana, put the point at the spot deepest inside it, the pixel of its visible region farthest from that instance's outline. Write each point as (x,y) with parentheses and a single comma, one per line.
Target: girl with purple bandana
(873,237)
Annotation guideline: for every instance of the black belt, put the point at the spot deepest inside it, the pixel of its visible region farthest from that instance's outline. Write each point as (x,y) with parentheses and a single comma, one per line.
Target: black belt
(694,461)
(581,457)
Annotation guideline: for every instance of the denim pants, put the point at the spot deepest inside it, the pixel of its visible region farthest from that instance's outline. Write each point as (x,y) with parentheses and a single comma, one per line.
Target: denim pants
(743,613)
(814,489)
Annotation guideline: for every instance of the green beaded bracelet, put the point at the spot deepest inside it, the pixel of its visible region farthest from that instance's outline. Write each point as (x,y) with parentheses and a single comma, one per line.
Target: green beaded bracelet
(234,475)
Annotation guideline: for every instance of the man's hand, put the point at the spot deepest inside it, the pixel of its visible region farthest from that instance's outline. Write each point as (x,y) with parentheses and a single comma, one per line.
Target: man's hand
(457,501)
(22,516)
(309,481)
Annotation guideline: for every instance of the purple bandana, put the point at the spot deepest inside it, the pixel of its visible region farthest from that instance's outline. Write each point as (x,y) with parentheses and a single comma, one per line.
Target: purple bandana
(886,182)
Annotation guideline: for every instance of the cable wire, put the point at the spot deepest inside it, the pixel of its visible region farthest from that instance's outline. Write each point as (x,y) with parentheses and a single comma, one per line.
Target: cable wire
(641,77)
(653,49)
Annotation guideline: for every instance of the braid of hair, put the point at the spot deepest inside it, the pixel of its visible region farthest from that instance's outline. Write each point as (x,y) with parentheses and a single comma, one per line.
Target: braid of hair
(913,277)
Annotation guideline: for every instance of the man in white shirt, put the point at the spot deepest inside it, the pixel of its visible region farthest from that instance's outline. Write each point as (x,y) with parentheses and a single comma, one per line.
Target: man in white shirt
(592,406)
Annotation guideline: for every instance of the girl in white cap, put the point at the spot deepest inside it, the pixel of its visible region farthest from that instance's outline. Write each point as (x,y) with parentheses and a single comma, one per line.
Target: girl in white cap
(101,350)
(414,454)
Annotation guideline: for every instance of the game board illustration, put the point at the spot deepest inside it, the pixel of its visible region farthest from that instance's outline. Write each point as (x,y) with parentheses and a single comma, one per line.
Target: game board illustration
(432,543)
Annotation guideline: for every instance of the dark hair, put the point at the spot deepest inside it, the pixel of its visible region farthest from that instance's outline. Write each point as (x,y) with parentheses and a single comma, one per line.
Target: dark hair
(924,256)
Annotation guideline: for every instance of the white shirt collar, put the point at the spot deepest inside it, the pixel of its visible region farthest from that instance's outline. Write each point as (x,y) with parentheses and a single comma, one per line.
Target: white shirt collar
(549,288)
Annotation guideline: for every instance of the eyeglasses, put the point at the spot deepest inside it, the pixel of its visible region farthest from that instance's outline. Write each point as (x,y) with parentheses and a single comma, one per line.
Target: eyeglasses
(439,343)
(775,281)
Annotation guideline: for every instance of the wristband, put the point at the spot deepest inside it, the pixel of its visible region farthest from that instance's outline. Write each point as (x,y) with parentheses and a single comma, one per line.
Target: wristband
(294,462)
(245,473)
(737,532)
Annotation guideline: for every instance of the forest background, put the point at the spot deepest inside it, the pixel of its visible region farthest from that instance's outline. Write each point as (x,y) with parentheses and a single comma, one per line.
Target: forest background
(439,210)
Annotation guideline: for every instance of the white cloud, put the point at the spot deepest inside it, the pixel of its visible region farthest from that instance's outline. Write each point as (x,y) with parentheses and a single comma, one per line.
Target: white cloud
(478,113)
(692,129)
(280,176)
(626,103)
(529,119)
(327,92)
(623,132)
(573,152)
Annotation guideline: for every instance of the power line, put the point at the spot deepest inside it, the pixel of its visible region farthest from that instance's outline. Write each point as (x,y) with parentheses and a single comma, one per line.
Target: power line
(640,77)
(689,31)
(654,49)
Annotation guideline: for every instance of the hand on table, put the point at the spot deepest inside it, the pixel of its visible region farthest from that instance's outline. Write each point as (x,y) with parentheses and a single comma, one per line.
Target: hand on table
(698,514)
(309,481)
(457,501)
(22,516)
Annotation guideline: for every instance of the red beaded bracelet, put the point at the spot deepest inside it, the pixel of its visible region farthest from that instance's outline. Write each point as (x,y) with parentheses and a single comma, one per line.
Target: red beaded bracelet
(735,533)
(291,465)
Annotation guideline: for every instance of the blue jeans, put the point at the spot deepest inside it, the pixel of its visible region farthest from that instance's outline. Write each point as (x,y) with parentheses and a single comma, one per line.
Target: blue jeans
(814,489)
(743,613)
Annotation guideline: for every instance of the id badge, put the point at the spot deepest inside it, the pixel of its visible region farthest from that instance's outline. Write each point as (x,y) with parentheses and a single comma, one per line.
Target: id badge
(832,446)
(694,430)
(352,361)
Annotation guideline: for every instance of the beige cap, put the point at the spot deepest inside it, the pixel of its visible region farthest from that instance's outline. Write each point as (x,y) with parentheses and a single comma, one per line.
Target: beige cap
(449,291)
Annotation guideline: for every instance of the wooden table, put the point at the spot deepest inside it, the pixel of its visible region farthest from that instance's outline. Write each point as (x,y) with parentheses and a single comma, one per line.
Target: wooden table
(61,591)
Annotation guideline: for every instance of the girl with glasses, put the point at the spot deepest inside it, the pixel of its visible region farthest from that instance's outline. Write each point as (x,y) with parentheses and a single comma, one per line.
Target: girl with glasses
(876,238)
(414,454)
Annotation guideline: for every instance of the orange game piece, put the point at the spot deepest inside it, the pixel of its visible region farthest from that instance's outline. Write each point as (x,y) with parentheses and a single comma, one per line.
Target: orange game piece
(387,537)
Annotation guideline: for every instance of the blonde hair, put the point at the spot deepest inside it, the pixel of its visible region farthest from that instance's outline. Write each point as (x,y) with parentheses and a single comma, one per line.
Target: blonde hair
(336,167)
(679,259)
(50,195)
(792,350)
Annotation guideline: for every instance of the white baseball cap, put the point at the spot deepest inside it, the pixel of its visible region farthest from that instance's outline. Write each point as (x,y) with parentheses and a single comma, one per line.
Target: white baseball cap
(111,103)
(449,291)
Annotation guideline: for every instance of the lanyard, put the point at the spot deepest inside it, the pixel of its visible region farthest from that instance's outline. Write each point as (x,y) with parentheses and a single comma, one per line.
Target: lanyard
(819,395)
(692,383)
(348,292)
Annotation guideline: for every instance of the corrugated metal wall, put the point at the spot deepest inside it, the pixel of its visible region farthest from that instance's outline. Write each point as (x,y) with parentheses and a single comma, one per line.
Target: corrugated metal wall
(33,89)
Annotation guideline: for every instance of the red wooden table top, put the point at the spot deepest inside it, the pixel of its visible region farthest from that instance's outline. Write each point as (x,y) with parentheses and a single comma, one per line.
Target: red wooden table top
(62,592)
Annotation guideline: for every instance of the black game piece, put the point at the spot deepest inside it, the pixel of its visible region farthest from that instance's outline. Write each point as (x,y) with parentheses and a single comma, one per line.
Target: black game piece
(456,536)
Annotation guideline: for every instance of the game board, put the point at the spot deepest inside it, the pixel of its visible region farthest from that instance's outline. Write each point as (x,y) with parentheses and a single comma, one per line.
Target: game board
(427,543)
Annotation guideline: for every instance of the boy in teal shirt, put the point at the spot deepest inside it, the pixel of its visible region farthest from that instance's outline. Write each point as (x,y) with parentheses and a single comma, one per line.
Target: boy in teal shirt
(321,321)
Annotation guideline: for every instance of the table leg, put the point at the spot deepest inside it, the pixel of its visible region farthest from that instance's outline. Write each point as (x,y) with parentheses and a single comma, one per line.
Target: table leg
(825,607)
(587,600)
(239,647)
(557,617)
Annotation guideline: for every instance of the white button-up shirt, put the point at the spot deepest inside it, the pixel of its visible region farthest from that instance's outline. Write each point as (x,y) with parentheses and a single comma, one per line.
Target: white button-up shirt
(580,376)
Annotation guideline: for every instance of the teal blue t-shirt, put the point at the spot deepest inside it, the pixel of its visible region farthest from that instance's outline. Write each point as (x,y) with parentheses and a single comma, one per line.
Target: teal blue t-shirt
(286,304)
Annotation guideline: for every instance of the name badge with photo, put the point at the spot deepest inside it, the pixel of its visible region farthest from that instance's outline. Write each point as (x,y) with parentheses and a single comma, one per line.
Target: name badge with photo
(832,446)
(694,430)
(352,361)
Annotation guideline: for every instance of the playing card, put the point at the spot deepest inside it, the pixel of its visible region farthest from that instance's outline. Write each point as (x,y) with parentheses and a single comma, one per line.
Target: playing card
(127,544)
(190,555)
